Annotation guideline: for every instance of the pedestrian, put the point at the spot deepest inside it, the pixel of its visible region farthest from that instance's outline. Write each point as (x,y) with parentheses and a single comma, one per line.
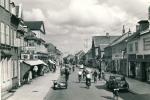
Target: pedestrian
(54,68)
(73,68)
(84,74)
(25,77)
(99,75)
(35,70)
(66,74)
(95,76)
(30,76)
(115,94)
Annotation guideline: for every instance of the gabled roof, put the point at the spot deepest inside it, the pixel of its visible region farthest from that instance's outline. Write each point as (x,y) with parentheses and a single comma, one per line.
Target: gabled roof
(81,52)
(134,36)
(120,39)
(98,40)
(35,25)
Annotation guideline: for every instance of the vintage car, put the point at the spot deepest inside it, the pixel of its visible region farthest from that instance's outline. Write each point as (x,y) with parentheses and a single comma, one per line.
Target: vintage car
(117,82)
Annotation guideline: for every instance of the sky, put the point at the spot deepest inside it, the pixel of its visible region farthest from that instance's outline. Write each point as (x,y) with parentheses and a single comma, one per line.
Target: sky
(70,24)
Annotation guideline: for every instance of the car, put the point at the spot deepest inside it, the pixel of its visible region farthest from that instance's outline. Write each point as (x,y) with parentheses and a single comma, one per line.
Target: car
(118,82)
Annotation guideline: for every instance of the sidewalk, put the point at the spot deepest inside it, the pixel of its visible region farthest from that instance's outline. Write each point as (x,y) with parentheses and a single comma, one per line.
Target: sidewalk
(38,88)
(136,86)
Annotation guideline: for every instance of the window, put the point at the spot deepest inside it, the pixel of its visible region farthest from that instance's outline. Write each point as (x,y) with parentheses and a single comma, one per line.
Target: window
(15,68)
(31,43)
(7,2)
(2,33)
(2,3)
(14,37)
(146,42)
(7,35)
(130,49)
(136,46)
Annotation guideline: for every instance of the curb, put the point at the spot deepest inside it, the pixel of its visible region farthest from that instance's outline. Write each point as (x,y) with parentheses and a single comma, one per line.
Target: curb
(46,97)
(133,92)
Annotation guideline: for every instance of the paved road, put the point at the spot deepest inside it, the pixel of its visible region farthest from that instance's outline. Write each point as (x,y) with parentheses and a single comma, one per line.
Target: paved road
(98,91)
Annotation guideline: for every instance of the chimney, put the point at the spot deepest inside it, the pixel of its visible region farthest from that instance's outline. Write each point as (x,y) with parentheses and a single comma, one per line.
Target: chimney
(123,29)
(143,25)
(137,28)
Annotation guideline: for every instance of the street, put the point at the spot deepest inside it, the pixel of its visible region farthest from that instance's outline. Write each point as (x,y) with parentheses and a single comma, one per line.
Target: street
(97,91)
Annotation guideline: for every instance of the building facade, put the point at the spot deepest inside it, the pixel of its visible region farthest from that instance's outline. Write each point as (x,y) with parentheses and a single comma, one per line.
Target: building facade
(11,39)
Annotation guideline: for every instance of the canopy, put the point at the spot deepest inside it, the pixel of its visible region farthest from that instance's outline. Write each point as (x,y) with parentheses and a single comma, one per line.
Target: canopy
(35,62)
(50,61)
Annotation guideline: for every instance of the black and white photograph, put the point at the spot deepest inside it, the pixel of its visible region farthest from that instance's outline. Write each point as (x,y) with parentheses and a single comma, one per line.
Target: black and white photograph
(74,49)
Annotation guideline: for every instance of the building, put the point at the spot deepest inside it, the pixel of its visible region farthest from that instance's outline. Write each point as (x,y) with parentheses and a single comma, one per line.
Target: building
(139,53)
(11,39)
(98,45)
(36,40)
(119,55)
(54,53)
(88,58)
(79,57)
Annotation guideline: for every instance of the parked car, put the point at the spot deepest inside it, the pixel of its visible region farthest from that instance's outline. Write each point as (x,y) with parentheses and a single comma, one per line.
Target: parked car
(118,82)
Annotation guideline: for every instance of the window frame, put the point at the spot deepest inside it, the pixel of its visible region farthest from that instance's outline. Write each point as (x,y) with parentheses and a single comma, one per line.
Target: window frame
(146,43)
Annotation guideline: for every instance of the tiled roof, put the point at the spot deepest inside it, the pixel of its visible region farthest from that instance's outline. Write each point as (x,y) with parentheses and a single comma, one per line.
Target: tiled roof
(98,40)
(34,25)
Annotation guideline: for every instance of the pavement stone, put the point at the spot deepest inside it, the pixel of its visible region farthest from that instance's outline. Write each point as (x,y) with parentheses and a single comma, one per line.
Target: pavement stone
(37,89)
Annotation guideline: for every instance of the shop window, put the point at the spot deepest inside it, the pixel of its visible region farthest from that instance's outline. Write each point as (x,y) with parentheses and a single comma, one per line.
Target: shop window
(146,42)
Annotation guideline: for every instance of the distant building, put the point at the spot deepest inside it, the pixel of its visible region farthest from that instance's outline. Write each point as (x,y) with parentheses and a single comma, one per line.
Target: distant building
(98,45)
(79,57)
(54,53)
(88,58)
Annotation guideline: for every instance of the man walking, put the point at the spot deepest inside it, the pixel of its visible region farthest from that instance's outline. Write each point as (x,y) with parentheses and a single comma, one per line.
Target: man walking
(95,76)
(66,74)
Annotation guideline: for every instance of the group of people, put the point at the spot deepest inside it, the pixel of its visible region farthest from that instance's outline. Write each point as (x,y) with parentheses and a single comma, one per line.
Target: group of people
(93,74)
(30,74)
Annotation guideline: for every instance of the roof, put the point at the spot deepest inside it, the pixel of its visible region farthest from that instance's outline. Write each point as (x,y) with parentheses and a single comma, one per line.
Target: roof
(80,53)
(35,25)
(103,40)
(143,21)
(135,35)
(120,39)
(35,62)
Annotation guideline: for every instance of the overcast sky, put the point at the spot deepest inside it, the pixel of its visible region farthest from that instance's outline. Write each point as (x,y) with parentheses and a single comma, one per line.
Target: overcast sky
(70,24)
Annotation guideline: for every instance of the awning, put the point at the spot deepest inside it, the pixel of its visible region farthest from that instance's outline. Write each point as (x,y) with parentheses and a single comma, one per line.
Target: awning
(35,62)
(50,61)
